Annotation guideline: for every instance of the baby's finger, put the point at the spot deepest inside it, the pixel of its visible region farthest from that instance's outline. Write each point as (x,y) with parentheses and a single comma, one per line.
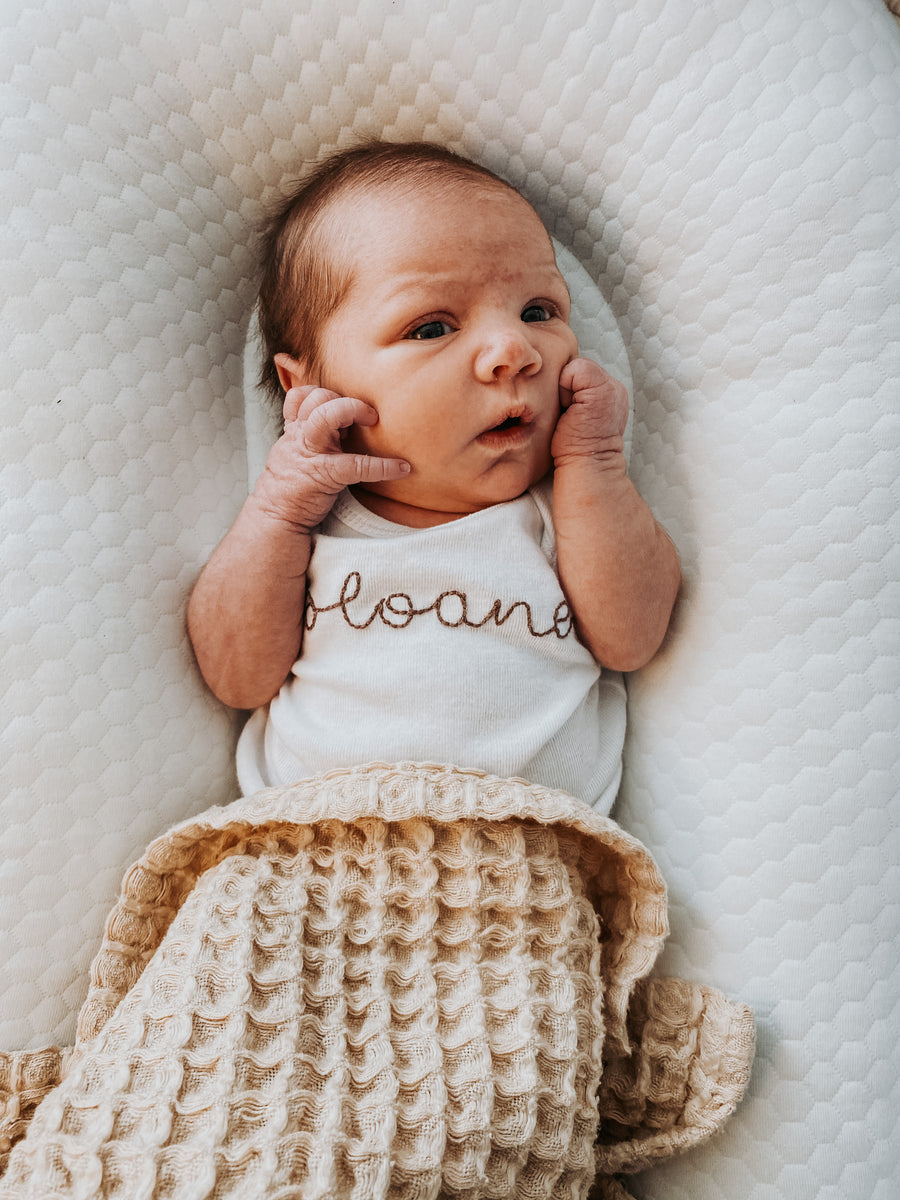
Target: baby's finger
(323,426)
(293,401)
(371,469)
(344,470)
(578,374)
(312,399)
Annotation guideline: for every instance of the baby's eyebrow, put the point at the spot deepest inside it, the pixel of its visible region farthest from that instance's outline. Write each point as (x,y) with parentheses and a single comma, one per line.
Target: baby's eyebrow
(398,285)
(402,285)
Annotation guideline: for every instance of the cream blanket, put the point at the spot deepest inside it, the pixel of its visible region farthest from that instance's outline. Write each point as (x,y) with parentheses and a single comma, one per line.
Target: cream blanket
(394,981)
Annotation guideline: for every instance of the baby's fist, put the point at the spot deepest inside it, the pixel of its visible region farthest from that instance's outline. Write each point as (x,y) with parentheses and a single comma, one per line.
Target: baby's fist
(595,413)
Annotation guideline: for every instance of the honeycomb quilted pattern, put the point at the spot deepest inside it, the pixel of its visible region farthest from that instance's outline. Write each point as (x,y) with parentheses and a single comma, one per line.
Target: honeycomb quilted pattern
(728,174)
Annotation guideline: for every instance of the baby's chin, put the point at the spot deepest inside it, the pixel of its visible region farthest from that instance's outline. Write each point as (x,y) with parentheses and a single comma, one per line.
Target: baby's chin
(497,487)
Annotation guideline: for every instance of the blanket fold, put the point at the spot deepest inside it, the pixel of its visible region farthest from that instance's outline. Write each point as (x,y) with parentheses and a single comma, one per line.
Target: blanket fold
(400,980)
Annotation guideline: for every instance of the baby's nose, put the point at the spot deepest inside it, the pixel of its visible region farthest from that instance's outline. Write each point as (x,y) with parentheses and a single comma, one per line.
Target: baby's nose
(507,351)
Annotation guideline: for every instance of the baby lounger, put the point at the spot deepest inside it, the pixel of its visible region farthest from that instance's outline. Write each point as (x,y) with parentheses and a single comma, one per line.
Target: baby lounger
(727,174)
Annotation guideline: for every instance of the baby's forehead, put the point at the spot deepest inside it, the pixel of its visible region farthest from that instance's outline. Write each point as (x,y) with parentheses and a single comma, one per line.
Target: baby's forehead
(409,213)
(432,197)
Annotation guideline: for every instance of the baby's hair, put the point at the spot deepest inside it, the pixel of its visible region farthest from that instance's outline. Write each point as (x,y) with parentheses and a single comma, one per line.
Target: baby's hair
(302,285)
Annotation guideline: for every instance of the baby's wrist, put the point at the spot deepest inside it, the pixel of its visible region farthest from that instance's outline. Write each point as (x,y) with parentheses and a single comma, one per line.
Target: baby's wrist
(603,455)
(287,513)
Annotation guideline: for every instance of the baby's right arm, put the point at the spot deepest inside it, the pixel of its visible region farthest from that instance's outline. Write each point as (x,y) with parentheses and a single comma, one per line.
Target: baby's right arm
(245,616)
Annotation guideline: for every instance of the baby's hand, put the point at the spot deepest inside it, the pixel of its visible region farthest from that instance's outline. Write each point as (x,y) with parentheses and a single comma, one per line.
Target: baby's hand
(595,413)
(307,468)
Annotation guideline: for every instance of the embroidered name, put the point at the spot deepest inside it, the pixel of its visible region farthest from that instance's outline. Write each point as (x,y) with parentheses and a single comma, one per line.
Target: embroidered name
(451,608)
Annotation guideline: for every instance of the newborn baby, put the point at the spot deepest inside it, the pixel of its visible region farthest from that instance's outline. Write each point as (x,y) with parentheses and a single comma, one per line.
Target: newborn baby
(444,559)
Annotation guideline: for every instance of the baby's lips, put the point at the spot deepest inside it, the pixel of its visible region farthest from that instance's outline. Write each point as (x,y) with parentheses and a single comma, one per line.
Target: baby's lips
(518,413)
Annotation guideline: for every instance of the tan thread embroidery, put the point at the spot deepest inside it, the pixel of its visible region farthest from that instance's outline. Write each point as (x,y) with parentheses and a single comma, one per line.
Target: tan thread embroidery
(397,610)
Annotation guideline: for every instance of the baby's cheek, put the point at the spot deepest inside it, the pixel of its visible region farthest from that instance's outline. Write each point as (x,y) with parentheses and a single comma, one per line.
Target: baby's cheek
(542,458)
(569,347)
(358,439)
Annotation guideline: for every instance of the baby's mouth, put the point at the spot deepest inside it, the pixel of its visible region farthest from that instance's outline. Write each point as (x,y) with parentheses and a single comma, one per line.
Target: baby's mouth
(516,418)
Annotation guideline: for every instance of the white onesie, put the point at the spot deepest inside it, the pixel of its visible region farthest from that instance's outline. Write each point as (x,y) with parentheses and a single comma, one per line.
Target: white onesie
(451,645)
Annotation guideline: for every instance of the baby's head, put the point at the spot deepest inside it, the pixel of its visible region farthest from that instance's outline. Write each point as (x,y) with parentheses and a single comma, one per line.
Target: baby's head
(421,283)
(306,271)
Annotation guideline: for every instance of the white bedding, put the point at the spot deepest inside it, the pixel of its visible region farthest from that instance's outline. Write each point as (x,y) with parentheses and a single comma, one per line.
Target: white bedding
(728,173)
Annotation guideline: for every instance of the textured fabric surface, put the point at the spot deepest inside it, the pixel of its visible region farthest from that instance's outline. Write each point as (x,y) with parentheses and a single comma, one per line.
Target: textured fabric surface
(687,1064)
(385,982)
(728,173)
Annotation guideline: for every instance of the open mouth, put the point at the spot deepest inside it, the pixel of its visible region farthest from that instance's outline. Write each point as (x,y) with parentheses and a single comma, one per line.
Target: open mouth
(509,432)
(517,417)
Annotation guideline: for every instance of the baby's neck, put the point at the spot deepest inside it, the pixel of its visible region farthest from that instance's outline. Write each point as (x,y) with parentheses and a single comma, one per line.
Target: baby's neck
(401,513)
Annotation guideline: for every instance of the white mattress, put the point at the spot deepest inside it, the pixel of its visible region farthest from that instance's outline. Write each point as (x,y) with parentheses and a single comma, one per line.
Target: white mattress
(728,174)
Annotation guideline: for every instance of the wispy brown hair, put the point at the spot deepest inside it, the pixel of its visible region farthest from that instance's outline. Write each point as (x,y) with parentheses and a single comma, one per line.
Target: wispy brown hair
(302,284)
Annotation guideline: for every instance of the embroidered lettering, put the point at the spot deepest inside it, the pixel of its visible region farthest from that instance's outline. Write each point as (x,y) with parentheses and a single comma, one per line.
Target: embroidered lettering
(398,604)
(445,611)
(451,608)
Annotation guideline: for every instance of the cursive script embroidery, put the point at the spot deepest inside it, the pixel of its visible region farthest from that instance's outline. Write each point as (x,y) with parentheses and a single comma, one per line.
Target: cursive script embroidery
(451,608)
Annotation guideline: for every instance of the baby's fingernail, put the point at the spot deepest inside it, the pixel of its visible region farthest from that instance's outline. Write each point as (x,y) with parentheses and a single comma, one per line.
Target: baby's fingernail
(405,467)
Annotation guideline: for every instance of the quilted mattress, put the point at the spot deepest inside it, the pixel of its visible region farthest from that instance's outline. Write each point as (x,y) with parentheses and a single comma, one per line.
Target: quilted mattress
(727,174)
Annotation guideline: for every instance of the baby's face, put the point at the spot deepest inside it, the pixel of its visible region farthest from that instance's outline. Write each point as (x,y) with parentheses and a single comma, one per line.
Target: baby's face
(455,331)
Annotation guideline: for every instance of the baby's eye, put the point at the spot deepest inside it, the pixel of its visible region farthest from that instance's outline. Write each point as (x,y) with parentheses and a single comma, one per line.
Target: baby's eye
(431,329)
(536,312)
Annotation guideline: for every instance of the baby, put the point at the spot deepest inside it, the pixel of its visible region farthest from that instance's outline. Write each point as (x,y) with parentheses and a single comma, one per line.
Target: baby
(388,982)
(444,559)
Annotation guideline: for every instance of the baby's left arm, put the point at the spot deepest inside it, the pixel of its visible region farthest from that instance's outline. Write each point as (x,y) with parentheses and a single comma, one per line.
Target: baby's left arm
(618,567)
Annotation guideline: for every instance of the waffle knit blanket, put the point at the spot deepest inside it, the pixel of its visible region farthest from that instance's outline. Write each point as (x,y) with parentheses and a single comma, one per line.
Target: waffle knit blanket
(398,981)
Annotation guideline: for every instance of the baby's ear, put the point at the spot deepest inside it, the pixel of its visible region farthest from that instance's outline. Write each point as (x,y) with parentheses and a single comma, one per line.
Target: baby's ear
(291,372)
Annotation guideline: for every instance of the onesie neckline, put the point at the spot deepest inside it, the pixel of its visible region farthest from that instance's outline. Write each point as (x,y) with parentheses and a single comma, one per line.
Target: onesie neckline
(350,512)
